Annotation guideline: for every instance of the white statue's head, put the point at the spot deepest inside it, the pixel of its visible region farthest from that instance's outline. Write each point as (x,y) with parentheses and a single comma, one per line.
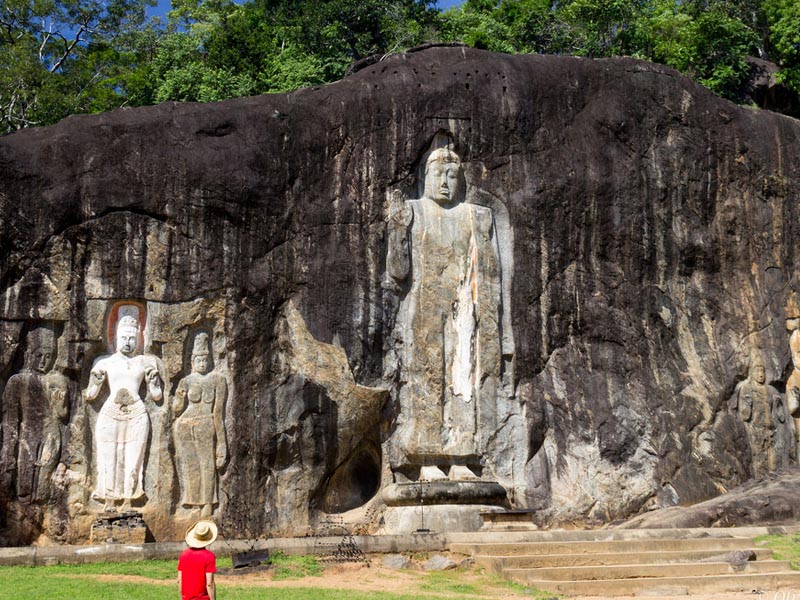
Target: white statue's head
(200,362)
(443,176)
(40,350)
(127,335)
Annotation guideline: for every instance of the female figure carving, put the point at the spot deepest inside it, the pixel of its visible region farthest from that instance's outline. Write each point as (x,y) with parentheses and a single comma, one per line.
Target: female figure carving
(200,441)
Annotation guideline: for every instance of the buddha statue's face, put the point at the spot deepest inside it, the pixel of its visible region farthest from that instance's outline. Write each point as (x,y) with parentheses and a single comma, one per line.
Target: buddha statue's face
(127,338)
(443,178)
(40,358)
(200,363)
(759,374)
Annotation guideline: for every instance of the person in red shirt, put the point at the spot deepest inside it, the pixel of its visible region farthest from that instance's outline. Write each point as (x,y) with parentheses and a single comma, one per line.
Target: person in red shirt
(197,564)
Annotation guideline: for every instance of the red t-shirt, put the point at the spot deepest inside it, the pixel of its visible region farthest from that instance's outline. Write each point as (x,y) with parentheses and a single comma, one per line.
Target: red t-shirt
(193,565)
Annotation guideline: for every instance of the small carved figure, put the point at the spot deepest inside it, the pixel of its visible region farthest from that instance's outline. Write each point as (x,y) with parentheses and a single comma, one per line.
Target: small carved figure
(761,408)
(35,404)
(784,436)
(793,384)
(123,424)
(445,252)
(200,442)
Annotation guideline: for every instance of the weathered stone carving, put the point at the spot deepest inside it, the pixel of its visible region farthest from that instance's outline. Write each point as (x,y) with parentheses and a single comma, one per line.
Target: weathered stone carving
(123,425)
(761,408)
(445,253)
(752,402)
(200,442)
(35,404)
(793,383)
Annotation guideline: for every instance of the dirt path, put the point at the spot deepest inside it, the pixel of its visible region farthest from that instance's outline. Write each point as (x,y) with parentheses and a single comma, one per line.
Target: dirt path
(463,585)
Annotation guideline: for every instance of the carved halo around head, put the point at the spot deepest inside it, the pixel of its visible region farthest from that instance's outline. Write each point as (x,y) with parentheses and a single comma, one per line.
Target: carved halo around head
(129,315)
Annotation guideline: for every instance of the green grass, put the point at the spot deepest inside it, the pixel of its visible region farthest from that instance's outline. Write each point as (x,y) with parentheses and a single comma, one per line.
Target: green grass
(293,567)
(784,547)
(158,582)
(450,582)
(80,582)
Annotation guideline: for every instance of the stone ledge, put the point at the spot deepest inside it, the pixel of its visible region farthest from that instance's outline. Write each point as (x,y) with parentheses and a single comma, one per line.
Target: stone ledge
(52,555)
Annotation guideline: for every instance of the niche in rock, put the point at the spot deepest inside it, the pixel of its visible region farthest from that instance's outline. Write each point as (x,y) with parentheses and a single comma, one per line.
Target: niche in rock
(355,482)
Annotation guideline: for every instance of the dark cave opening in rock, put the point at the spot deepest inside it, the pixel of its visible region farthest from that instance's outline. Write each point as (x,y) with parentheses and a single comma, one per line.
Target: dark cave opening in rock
(354,483)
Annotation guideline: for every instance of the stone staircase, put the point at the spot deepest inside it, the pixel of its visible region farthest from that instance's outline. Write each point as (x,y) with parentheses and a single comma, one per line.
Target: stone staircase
(628,562)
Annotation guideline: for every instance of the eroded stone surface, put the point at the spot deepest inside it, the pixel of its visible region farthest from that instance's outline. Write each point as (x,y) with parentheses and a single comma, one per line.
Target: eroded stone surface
(647,231)
(768,500)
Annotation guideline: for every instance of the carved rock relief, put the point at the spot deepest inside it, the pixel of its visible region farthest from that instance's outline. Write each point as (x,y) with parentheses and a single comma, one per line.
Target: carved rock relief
(449,263)
(199,429)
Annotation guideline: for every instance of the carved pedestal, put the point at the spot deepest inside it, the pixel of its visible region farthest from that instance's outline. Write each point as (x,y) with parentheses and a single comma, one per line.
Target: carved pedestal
(440,506)
(119,528)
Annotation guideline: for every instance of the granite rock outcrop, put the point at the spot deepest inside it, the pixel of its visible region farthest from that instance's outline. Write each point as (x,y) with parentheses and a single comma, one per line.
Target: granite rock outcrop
(649,240)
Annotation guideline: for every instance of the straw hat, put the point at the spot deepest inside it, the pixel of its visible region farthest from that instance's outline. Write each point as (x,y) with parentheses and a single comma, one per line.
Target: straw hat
(201,534)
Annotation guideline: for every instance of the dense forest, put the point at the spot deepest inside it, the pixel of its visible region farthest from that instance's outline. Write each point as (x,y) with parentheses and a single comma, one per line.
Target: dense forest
(59,57)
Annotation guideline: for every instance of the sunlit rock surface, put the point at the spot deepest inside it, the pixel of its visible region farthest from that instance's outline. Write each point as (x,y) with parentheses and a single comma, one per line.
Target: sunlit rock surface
(651,235)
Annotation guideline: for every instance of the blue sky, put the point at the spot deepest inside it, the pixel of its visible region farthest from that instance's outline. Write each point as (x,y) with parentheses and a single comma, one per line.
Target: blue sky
(163,6)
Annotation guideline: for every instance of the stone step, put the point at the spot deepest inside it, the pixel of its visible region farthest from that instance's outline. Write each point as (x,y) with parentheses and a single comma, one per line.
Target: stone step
(575,535)
(495,563)
(604,547)
(709,584)
(636,571)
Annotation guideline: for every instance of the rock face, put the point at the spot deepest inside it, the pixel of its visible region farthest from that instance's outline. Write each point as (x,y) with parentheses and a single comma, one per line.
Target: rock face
(644,233)
(768,500)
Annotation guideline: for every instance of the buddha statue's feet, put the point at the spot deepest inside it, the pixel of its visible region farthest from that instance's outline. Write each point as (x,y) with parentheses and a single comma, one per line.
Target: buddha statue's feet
(431,473)
(462,473)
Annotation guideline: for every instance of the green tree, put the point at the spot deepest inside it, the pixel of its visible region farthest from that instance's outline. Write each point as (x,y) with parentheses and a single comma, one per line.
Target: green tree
(215,49)
(783,21)
(58,57)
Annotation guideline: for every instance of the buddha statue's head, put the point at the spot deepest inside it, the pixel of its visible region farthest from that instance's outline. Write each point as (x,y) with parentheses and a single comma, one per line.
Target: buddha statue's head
(40,350)
(444,180)
(127,335)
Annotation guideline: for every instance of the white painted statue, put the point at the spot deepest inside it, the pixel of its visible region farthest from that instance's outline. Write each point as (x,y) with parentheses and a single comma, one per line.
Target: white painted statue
(200,441)
(445,253)
(123,424)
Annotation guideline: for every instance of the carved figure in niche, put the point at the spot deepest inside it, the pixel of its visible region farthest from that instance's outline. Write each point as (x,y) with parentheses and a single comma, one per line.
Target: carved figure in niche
(445,253)
(784,436)
(793,383)
(200,442)
(123,424)
(752,402)
(35,404)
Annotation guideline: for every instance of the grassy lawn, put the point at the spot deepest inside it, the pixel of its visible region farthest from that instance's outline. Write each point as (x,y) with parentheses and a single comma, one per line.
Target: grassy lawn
(784,547)
(156,580)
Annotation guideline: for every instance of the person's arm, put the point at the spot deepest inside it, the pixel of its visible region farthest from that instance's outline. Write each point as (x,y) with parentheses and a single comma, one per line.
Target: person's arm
(211,586)
(180,589)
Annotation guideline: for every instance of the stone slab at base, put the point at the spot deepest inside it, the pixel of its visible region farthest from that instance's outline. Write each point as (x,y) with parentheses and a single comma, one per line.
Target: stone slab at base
(437,518)
(124,528)
(508,520)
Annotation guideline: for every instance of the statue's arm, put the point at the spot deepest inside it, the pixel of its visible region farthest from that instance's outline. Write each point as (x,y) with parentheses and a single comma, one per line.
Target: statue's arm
(398,255)
(794,346)
(96,380)
(58,397)
(155,380)
(793,401)
(11,417)
(221,396)
(744,405)
(179,401)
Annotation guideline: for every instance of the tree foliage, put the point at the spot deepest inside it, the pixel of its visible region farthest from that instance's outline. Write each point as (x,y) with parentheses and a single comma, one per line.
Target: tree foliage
(59,57)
